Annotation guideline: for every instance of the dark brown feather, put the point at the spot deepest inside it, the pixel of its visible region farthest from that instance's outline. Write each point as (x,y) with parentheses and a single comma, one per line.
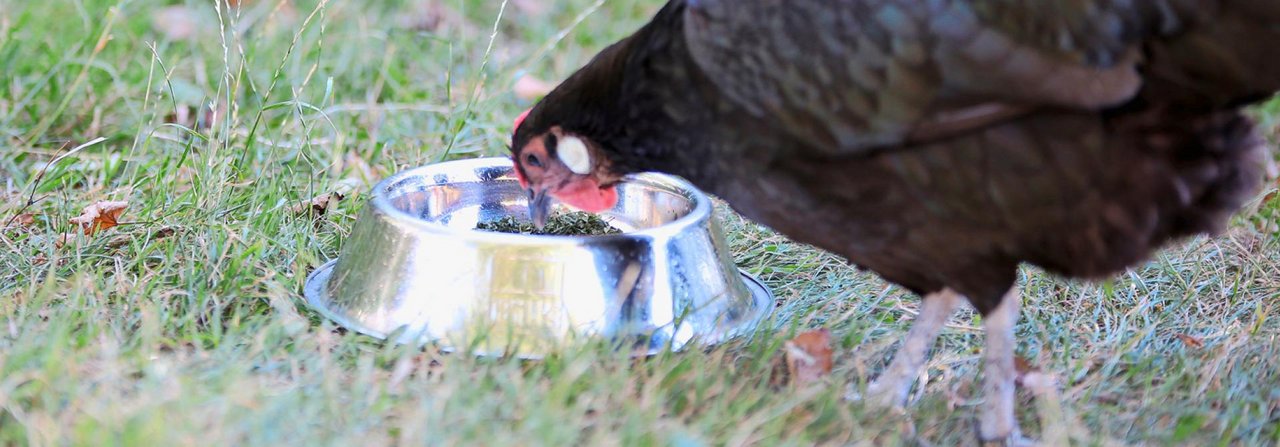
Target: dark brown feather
(1114,129)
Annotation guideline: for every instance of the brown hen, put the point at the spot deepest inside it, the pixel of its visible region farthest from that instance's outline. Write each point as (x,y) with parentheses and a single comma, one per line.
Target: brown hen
(938,143)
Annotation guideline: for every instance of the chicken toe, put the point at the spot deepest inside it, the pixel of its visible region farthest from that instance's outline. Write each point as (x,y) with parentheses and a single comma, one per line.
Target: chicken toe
(893,385)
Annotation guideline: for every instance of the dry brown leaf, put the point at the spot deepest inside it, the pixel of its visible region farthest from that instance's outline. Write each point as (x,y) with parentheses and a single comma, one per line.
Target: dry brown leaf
(196,117)
(63,239)
(317,206)
(530,88)
(320,204)
(1022,365)
(23,220)
(1273,194)
(181,116)
(1023,368)
(1190,341)
(809,356)
(100,216)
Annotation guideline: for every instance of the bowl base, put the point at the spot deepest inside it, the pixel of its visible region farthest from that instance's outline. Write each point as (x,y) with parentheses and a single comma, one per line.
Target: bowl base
(316,291)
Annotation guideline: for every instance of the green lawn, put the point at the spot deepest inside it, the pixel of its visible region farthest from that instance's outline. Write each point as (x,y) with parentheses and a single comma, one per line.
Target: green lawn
(184,325)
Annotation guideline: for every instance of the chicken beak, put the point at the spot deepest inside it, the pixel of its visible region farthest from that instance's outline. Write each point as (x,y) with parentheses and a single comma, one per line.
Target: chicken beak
(539,203)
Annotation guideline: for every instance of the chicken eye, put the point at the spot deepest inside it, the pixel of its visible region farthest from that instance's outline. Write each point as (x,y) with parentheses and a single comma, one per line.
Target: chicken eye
(532,160)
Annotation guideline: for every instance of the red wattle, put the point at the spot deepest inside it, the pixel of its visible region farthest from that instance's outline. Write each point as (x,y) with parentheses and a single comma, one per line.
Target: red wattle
(516,169)
(587,195)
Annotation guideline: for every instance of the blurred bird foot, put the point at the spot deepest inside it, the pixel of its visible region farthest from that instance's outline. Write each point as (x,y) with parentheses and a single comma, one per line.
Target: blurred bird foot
(892,388)
(889,392)
(996,421)
(880,395)
(1012,440)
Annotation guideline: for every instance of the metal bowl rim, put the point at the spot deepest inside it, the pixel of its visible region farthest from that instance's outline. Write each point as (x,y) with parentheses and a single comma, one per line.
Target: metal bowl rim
(701,208)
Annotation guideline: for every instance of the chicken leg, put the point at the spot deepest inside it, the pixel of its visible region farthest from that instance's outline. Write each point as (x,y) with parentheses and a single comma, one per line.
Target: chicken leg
(996,421)
(894,384)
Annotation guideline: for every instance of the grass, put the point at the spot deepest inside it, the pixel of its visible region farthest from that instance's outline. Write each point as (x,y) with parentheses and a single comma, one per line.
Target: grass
(185,325)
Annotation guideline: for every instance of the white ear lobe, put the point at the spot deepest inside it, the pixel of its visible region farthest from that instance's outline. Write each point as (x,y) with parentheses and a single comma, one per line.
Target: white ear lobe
(573,153)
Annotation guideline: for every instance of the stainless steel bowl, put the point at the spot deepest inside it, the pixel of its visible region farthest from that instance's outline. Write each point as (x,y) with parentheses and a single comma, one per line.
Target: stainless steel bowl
(415,271)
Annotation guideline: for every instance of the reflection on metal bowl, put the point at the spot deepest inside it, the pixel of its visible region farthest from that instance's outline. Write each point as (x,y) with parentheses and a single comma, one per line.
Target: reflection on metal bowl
(414,269)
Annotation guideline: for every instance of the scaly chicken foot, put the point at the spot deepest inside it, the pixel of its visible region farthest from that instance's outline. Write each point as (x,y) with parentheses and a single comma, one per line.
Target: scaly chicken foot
(996,421)
(894,384)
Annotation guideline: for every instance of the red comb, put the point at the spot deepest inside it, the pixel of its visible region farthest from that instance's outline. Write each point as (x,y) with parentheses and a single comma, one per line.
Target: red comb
(520,119)
(520,176)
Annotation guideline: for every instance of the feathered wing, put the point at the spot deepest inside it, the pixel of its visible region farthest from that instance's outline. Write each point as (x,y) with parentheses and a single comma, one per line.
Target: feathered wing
(851,76)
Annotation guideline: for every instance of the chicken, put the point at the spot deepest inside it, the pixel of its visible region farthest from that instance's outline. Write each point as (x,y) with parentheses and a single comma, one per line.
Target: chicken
(938,143)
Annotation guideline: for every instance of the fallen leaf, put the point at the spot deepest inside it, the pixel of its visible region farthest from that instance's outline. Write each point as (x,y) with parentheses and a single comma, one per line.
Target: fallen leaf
(63,239)
(197,118)
(316,206)
(23,220)
(1273,194)
(1190,341)
(1022,365)
(320,204)
(100,216)
(1023,368)
(181,115)
(530,88)
(809,356)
